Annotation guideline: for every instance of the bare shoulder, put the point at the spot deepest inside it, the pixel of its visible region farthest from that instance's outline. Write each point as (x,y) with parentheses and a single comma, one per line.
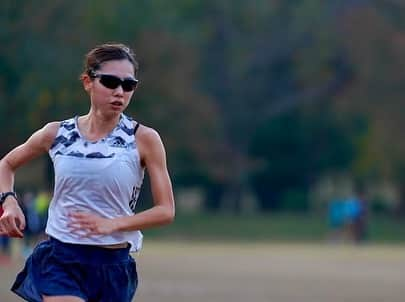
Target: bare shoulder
(48,133)
(147,135)
(38,143)
(150,144)
(51,129)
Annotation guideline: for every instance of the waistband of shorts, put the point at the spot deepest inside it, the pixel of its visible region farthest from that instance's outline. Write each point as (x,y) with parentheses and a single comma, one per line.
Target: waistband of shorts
(91,254)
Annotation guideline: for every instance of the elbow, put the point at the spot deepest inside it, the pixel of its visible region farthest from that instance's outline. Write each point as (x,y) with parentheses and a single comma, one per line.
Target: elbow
(168,216)
(6,166)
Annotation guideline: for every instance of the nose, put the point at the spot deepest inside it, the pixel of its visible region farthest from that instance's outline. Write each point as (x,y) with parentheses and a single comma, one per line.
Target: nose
(118,91)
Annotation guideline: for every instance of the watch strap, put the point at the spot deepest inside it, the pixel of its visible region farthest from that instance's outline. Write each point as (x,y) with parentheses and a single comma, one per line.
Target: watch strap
(4,195)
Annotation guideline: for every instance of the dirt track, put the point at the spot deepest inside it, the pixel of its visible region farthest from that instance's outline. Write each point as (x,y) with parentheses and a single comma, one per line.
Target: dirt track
(197,272)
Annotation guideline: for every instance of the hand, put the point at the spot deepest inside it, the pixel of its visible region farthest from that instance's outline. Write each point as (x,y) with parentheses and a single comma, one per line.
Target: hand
(12,222)
(88,224)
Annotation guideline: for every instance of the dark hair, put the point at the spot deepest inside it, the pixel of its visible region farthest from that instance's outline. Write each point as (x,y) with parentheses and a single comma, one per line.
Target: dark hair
(108,52)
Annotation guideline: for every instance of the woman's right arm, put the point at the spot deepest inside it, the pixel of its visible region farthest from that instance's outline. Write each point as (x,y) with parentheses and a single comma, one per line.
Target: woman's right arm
(12,222)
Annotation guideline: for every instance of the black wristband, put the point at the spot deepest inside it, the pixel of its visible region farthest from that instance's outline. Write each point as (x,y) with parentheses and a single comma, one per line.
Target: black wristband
(4,195)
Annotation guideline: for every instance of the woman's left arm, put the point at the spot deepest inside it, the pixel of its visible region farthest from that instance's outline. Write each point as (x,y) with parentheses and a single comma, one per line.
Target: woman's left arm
(153,156)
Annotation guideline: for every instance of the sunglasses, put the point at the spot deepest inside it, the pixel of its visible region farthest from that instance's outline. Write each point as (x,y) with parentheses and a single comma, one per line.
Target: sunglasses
(112,82)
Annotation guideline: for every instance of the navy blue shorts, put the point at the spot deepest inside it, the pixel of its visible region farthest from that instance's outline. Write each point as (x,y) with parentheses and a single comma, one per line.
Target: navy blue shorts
(89,272)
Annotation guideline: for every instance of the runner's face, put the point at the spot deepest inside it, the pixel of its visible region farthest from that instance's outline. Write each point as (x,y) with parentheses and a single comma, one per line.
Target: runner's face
(112,99)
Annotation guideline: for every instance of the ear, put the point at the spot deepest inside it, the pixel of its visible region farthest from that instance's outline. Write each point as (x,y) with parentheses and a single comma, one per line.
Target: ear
(87,82)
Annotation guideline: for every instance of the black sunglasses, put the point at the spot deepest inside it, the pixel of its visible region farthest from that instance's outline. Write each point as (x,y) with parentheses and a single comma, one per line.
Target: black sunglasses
(112,82)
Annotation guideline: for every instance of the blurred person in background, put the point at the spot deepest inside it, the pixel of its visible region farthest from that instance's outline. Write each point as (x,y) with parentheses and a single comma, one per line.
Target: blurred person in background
(99,161)
(336,218)
(348,218)
(351,216)
(360,222)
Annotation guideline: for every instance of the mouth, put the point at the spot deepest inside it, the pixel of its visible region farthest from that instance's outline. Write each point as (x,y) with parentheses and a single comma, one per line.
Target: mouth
(117,103)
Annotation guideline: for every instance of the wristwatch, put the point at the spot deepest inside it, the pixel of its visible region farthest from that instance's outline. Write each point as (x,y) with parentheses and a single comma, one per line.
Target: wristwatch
(4,195)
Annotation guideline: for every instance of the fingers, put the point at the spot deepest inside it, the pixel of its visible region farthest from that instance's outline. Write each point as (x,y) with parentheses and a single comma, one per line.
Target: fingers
(21,223)
(81,232)
(83,224)
(8,226)
(89,224)
(12,222)
(15,230)
(81,217)
(78,221)
(78,215)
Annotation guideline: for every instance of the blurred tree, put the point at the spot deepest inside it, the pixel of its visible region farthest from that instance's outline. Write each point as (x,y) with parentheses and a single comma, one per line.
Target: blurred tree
(263,59)
(40,69)
(187,119)
(35,66)
(374,39)
(294,150)
(217,79)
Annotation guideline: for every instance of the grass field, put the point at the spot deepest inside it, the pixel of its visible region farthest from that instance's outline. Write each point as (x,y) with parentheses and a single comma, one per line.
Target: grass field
(286,227)
(200,271)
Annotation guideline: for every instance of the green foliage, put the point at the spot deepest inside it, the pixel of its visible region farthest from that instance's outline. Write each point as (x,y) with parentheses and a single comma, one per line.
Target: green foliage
(295,149)
(295,201)
(236,89)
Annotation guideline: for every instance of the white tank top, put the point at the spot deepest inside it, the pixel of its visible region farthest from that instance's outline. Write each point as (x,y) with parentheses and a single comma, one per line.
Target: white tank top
(102,177)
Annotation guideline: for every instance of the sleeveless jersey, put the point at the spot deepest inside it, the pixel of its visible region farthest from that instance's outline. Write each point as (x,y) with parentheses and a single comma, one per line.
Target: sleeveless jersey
(102,177)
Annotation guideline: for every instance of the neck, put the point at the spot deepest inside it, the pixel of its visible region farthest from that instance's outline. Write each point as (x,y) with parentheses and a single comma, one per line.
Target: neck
(94,125)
